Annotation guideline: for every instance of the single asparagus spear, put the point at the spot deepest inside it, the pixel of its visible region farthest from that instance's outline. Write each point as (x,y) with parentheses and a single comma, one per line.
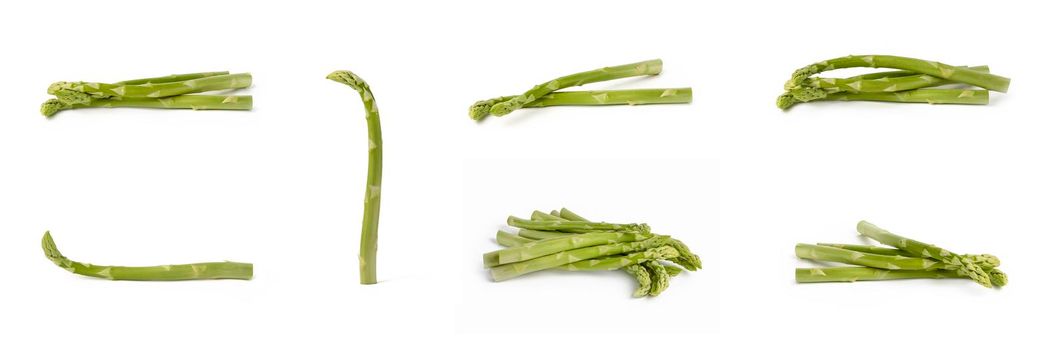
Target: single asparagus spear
(567,214)
(575,226)
(84,92)
(985,261)
(371,218)
(560,244)
(534,234)
(936,69)
(642,275)
(198,271)
(967,267)
(651,67)
(614,263)
(631,97)
(888,262)
(194,102)
(659,275)
(929,96)
(853,274)
(512,270)
(885,84)
(170,78)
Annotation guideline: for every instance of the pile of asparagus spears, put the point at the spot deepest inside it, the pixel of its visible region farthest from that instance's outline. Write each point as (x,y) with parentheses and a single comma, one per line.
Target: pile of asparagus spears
(547,94)
(910,80)
(904,259)
(178,91)
(564,240)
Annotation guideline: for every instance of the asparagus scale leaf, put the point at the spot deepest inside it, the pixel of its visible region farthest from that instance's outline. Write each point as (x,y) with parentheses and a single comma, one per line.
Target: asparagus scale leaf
(370,221)
(197,271)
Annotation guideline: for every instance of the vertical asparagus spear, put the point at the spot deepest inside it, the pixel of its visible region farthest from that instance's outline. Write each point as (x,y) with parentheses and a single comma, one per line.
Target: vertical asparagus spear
(197,271)
(915,247)
(371,217)
(651,67)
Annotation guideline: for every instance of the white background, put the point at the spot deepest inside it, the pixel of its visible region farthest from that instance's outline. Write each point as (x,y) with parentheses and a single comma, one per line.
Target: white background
(281,186)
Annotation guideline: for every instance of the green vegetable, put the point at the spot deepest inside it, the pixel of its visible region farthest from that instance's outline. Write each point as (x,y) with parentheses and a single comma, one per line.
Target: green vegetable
(824,253)
(198,271)
(908,84)
(194,102)
(566,241)
(925,250)
(651,67)
(370,222)
(853,274)
(167,92)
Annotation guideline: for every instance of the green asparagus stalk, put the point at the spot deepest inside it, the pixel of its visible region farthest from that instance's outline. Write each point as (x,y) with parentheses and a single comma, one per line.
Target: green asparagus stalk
(686,258)
(853,274)
(985,261)
(642,276)
(575,226)
(929,96)
(534,234)
(371,217)
(614,97)
(932,68)
(925,250)
(197,271)
(569,215)
(888,262)
(512,270)
(651,67)
(551,246)
(618,262)
(884,84)
(194,102)
(659,275)
(84,92)
(170,78)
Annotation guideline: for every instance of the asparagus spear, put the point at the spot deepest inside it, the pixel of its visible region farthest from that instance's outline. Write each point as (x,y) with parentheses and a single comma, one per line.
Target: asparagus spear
(651,67)
(932,68)
(630,97)
(967,267)
(197,271)
(575,226)
(888,262)
(642,275)
(929,96)
(170,78)
(884,84)
(515,269)
(551,246)
(853,274)
(614,263)
(985,261)
(371,217)
(194,102)
(84,92)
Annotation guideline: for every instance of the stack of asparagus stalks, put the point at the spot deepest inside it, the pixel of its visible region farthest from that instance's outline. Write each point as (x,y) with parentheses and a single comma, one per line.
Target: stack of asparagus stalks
(904,259)
(178,91)
(564,240)
(910,81)
(547,94)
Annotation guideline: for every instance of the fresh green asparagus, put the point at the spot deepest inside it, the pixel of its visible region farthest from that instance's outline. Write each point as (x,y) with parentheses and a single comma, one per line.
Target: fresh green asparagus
(370,221)
(194,102)
(197,271)
(925,250)
(167,92)
(853,274)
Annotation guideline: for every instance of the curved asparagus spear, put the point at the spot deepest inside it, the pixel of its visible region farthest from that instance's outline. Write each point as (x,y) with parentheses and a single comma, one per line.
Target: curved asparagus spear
(84,92)
(925,250)
(198,271)
(932,68)
(642,275)
(194,102)
(651,67)
(371,217)
(853,274)
(659,275)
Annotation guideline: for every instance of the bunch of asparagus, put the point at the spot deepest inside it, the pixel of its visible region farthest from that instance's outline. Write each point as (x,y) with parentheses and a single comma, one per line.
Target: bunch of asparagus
(196,271)
(910,81)
(178,91)
(905,259)
(564,240)
(547,94)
